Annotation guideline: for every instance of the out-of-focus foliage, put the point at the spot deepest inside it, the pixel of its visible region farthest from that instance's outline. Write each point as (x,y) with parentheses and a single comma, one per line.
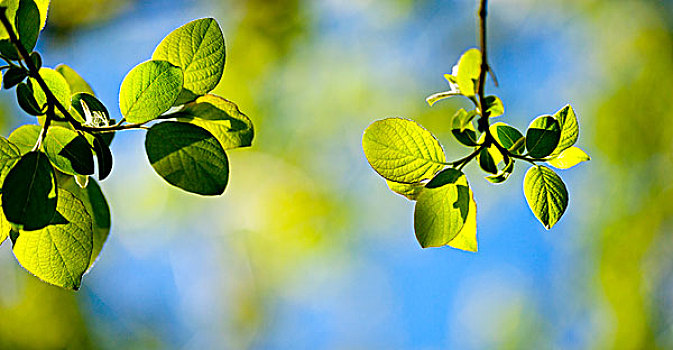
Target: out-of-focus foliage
(66,16)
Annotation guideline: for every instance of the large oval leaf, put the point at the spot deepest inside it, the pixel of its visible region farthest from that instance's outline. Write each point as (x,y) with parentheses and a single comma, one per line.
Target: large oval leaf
(542,136)
(148,90)
(188,157)
(59,253)
(402,151)
(220,117)
(198,48)
(546,194)
(441,209)
(75,81)
(29,192)
(68,151)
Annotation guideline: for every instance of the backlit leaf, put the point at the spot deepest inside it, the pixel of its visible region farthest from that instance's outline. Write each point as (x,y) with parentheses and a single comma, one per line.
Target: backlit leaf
(59,253)
(25,137)
(469,68)
(542,136)
(68,151)
(546,194)
(569,128)
(220,117)
(198,48)
(402,151)
(467,237)
(410,191)
(569,158)
(188,157)
(493,106)
(56,83)
(148,90)
(75,81)
(508,137)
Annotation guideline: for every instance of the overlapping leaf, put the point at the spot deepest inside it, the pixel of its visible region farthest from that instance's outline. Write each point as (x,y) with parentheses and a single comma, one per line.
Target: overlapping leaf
(568,158)
(542,136)
(148,90)
(68,151)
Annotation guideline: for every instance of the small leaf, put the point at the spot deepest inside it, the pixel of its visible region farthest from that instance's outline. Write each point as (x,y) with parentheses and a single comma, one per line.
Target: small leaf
(188,157)
(546,194)
(26,98)
(486,162)
(11,13)
(462,128)
(59,253)
(410,191)
(220,117)
(440,96)
(148,90)
(75,81)
(503,174)
(5,226)
(400,150)
(508,137)
(68,151)
(469,67)
(103,155)
(13,76)
(25,137)
(493,106)
(569,158)
(441,209)
(29,192)
(92,111)
(198,48)
(467,237)
(36,58)
(542,136)
(569,128)
(28,23)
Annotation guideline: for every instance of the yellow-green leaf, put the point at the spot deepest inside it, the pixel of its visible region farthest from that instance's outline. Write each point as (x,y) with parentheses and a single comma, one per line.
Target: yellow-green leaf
(569,158)
(546,194)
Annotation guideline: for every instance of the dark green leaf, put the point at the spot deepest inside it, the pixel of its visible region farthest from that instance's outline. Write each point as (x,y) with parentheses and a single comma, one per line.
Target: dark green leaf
(188,157)
(103,155)
(503,174)
(198,48)
(220,117)
(28,23)
(462,128)
(486,162)
(29,192)
(92,110)
(59,253)
(148,90)
(508,137)
(13,76)
(441,209)
(36,58)
(68,151)
(402,151)
(26,98)
(542,136)
(546,194)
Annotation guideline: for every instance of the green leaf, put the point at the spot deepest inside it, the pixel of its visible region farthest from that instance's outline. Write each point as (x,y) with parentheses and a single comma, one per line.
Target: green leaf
(493,106)
(220,117)
(5,226)
(148,90)
(440,96)
(75,81)
(570,131)
(546,194)
(103,155)
(68,151)
(400,150)
(467,237)
(92,111)
(26,98)
(542,136)
(56,83)
(13,76)
(198,48)
(36,58)
(462,128)
(508,137)
(469,67)
(503,174)
(441,209)
(28,24)
(569,158)
(13,6)
(96,205)
(59,253)
(25,137)
(410,191)
(486,162)
(9,155)
(188,157)
(29,192)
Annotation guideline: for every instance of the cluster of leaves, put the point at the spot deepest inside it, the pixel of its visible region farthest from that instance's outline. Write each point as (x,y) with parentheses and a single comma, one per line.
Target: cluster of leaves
(413,163)
(52,209)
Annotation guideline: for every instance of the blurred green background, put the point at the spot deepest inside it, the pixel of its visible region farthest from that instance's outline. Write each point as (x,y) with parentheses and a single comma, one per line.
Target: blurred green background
(307,248)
